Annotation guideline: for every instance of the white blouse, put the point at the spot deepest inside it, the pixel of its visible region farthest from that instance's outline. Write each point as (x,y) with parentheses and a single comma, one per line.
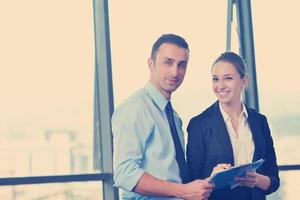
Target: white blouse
(242,141)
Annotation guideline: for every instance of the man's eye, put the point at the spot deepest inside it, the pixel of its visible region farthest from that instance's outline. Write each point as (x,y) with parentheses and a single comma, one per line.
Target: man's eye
(228,78)
(168,62)
(182,66)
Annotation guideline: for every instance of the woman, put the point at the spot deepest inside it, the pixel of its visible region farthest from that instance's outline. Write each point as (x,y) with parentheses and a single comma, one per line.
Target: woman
(229,133)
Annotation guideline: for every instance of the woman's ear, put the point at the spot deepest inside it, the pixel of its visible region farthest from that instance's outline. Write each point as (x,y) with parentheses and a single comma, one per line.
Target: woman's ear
(245,81)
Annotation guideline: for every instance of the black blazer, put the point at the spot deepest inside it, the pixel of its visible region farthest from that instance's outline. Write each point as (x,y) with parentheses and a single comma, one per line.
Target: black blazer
(209,144)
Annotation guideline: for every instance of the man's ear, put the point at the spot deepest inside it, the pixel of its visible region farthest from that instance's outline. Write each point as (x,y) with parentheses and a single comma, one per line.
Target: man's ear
(150,62)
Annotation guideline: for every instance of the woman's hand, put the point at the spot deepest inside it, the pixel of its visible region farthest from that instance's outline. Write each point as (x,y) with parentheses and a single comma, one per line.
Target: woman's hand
(253,179)
(249,180)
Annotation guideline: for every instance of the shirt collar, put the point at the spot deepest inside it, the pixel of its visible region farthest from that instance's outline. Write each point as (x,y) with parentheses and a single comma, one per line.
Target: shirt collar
(156,96)
(226,117)
(244,111)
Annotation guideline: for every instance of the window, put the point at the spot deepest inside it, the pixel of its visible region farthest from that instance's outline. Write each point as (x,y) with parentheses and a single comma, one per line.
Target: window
(58,191)
(135,25)
(47,77)
(276,44)
(47,100)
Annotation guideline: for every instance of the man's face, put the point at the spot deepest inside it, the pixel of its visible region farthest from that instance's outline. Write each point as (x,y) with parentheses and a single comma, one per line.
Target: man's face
(168,70)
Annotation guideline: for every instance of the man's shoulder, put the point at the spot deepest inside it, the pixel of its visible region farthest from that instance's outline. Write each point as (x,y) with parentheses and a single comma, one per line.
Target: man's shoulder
(132,104)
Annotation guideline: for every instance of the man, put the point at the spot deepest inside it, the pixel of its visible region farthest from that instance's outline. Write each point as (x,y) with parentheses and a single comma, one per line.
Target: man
(149,158)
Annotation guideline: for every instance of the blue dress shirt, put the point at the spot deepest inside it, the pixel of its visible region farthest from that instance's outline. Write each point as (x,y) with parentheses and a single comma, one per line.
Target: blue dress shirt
(143,141)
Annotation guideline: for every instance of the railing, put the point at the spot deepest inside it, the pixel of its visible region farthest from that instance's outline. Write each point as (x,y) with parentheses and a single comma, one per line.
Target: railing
(55,179)
(84,177)
(288,167)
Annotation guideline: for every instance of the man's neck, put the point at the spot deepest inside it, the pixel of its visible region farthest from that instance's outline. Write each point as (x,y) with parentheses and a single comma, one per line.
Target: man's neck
(164,93)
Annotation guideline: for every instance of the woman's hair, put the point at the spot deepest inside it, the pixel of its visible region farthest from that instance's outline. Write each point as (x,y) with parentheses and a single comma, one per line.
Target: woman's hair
(236,60)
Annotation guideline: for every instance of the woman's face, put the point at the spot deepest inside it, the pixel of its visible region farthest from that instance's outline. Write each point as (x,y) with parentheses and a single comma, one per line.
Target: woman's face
(227,83)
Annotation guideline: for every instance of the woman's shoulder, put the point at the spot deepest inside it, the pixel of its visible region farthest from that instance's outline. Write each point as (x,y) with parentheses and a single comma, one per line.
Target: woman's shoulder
(255,113)
(204,117)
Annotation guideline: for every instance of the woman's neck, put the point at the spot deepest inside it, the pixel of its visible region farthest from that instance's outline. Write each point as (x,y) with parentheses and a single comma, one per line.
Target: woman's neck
(234,110)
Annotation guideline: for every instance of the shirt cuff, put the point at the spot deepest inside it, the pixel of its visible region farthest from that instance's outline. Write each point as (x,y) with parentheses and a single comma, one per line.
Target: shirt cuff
(128,181)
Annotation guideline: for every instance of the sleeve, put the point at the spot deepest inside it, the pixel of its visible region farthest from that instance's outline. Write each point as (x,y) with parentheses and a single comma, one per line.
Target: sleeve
(195,149)
(271,168)
(129,144)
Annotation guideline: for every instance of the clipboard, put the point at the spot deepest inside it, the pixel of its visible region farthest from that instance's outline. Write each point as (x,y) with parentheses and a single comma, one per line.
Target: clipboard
(226,178)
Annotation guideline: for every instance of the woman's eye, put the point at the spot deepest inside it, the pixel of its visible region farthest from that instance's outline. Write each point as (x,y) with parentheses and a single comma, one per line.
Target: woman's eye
(215,79)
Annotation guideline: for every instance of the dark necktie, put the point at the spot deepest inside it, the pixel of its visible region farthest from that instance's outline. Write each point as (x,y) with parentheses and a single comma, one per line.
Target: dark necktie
(183,169)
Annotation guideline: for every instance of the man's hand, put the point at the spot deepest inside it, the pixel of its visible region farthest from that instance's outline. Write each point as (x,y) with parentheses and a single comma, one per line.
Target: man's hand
(198,190)
(220,167)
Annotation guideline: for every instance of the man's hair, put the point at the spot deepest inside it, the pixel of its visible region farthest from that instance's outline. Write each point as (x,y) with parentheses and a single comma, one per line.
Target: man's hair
(236,60)
(171,39)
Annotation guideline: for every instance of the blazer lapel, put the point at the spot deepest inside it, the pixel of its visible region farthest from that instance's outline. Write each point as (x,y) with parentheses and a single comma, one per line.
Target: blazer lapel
(220,130)
(256,134)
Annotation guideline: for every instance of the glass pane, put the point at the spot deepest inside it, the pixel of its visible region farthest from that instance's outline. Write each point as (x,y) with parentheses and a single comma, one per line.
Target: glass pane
(277,51)
(135,25)
(46,84)
(60,191)
(289,186)
(234,31)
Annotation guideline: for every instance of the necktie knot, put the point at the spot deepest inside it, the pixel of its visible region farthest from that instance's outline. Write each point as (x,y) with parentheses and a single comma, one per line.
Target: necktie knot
(169,108)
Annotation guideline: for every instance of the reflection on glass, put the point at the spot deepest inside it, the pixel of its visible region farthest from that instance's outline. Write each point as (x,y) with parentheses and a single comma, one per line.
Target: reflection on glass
(66,191)
(46,84)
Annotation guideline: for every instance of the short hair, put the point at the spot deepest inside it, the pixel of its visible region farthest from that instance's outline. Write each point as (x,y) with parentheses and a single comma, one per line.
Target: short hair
(171,39)
(236,60)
